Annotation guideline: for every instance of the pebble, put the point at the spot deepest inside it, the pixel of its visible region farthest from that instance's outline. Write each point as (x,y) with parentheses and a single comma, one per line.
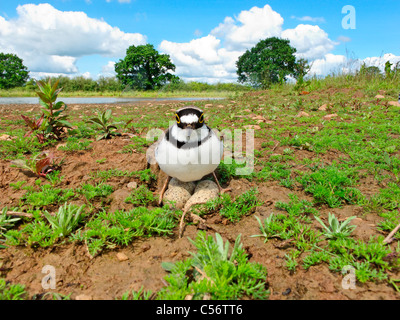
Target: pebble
(132,185)
(83,297)
(302,114)
(5,137)
(122,256)
(252,126)
(330,116)
(394,103)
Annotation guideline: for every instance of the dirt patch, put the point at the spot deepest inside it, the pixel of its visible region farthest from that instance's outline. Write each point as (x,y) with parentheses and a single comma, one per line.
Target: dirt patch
(107,277)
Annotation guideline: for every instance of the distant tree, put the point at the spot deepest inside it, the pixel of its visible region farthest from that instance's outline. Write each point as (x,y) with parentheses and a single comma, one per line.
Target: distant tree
(13,73)
(144,68)
(269,61)
(301,68)
(370,71)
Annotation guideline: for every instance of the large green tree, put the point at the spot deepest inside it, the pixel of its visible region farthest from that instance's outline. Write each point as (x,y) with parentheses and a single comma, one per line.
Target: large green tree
(13,73)
(269,61)
(144,68)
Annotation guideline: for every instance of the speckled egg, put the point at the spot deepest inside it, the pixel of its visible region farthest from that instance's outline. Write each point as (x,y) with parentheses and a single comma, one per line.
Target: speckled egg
(189,186)
(177,194)
(205,190)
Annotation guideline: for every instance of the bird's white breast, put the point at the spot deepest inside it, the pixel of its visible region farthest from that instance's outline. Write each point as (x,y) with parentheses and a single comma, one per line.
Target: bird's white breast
(189,164)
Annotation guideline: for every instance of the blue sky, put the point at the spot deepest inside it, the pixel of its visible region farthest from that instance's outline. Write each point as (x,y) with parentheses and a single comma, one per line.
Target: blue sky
(203,38)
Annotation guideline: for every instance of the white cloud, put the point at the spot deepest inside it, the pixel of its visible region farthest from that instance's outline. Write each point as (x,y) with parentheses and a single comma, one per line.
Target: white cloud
(213,57)
(49,40)
(202,58)
(338,64)
(311,42)
(380,61)
(249,27)
(108,70)
(327,64)
(310,19)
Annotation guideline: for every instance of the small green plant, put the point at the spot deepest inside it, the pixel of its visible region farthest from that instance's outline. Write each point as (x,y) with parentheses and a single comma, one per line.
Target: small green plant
(6,222)
(291,262)
(145,175)
(141,294)
(101,161)
(36,127)
(332,185)
(232,169)
(54,177)
(40,164)
(47,195)
(10,291)
(335,229)
(142,196)
(17,185)
(106,230)
(66,219)
(91,192)
(215,272)
(74,144)
(139,144)
(232,209)
(54,123)
(107,128)
(268,229)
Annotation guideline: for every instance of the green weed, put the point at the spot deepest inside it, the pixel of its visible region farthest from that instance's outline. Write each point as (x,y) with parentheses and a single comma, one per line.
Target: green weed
(10,291)
(142,196)
(215,272)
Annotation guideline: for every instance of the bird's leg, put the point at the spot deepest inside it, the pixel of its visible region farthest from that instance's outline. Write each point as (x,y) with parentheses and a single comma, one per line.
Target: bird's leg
(193,216)
(182,223)
(163,190)
(221,190)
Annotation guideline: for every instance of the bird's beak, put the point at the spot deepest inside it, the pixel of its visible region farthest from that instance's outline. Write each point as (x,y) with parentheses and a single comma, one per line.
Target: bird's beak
(189,130)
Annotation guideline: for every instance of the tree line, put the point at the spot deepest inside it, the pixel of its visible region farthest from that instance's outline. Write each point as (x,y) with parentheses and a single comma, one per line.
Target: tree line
(270,61)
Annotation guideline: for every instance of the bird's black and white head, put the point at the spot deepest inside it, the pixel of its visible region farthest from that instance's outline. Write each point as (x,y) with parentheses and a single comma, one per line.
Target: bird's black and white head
(189,117)
(190,124)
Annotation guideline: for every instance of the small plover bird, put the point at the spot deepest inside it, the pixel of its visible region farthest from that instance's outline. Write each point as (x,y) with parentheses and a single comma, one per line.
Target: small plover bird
(189,149)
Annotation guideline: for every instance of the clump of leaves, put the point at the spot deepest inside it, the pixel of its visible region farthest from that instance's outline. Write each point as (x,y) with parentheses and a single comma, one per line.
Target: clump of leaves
(54,123)
(215,272)
(10,291)
(74,144)
(106,229)
(41,164)
(36,126)
(47,195)
(142,196)
(6,222)
(335,229)
(232,209)
(66,219)
(91,192)
(107,128)
(333,185)
(141,294)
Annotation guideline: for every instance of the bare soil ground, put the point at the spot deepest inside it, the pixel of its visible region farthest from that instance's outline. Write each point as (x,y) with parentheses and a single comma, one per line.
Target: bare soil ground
(106,277)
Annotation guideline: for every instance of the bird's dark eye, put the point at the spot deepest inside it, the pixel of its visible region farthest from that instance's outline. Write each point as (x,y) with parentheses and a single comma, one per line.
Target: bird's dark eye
(201,119)
(178,120)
